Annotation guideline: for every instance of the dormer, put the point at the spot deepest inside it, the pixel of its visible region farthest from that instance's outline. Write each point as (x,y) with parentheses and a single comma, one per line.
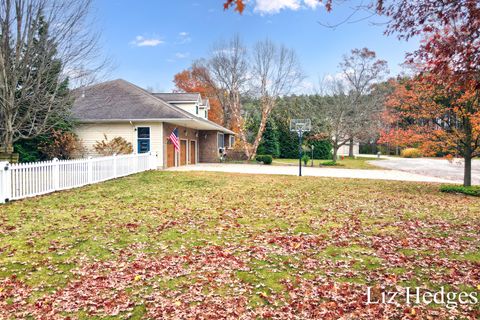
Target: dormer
(190,102)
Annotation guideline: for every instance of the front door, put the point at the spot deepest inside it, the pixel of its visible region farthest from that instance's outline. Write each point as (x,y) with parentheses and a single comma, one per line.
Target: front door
(143,139)
(193,152)
(170,154)
(183,152)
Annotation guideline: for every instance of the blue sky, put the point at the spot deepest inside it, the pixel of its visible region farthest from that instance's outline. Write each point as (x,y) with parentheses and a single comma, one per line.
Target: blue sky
(150,41)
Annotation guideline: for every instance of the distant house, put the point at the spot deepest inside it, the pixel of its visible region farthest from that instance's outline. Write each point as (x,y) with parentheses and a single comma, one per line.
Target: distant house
(121,109)
(344,150)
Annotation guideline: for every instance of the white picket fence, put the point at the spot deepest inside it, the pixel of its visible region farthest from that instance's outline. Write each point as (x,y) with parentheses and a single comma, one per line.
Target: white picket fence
(18,181)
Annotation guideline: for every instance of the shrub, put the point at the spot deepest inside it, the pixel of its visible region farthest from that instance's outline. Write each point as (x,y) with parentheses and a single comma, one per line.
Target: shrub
(331,163)
(117,145)
(471,191)
(265,159)
(305,159)
(62,145)
(411,153)
(28,150)
(322,149)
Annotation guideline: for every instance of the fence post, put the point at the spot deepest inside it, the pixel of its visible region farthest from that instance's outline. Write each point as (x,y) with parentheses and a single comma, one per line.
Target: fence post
(115,171)
(56,174)
(5,182)
(90,170)
(151,159)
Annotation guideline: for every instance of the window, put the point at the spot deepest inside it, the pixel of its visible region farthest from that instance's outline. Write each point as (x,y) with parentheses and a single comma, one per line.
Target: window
(220,141)
(143,139)
(196,109)
(206,114)
(231,141)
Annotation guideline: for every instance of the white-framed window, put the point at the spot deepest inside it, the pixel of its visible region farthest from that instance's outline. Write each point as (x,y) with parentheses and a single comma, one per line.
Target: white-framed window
(231,141)
(220,141)
(196,109)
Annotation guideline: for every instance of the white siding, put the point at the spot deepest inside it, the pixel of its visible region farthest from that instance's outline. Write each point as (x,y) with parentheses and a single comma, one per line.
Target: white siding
(189,107)
(343,150)
(192,108)
(93,132)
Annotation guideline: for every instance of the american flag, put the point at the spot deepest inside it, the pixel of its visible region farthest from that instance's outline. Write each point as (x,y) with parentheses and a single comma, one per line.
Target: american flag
(175,140)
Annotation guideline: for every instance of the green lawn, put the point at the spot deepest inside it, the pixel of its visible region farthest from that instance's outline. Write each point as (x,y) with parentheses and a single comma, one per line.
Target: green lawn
(183,245)
(346,163)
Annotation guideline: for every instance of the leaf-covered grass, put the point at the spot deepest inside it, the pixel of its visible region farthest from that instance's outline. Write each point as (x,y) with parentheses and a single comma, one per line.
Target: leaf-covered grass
(346,163)
(179,245)
(471,191)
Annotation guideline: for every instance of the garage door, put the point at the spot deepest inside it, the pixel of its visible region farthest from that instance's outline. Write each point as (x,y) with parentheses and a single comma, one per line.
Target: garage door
(193,152)
(170,154)
(183,152)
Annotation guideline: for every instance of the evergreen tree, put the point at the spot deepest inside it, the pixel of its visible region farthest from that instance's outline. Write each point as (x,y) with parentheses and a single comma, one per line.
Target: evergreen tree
(54,86)
(270,144)
(322,149)
(288,141)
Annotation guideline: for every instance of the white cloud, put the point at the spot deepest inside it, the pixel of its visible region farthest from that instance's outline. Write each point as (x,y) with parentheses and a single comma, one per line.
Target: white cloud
(313,4)
(141,41)
(181,55)
(183,37)
(273,7)
(307,87)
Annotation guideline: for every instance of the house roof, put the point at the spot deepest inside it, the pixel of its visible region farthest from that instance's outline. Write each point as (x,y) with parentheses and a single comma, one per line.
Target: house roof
(179,97)
(119,100)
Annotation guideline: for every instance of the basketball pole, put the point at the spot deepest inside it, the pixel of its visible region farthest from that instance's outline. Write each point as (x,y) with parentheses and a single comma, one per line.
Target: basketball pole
(299,126)
(300,152)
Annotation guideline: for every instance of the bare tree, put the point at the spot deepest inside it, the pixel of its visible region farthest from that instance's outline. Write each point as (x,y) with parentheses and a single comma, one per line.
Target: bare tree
(229,69)
(361,70)
(334,111)
(44,46)
(275,72)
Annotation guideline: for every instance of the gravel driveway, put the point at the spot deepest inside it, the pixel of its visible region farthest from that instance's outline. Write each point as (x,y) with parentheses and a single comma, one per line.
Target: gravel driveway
(316,172)
(439,168)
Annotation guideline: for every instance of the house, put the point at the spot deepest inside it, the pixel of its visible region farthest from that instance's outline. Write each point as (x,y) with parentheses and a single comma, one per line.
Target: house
(121,109)
(344,150)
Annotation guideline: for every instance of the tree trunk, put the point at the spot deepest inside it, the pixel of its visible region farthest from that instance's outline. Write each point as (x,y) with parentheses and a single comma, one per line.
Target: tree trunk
(335,152)
(467,175)
(6,143)
(350,148)
(468,150)
(263,122)
(237,117)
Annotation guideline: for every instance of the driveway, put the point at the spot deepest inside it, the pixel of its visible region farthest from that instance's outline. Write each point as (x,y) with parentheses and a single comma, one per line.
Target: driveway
(438,168)
(315,172)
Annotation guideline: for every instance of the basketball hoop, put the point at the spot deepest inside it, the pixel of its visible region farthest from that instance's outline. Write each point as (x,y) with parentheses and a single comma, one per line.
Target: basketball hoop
(300,126)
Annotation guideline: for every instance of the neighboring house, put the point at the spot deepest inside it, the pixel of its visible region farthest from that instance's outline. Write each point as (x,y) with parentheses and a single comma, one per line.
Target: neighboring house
(344,150)
(121,109)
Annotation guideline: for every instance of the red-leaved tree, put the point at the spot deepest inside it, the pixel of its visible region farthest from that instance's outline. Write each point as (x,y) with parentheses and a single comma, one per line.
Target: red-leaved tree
(434,118)
(196,79)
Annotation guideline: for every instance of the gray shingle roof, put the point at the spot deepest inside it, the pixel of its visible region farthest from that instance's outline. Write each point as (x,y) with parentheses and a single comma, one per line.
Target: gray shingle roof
(179,97)
(119,99)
